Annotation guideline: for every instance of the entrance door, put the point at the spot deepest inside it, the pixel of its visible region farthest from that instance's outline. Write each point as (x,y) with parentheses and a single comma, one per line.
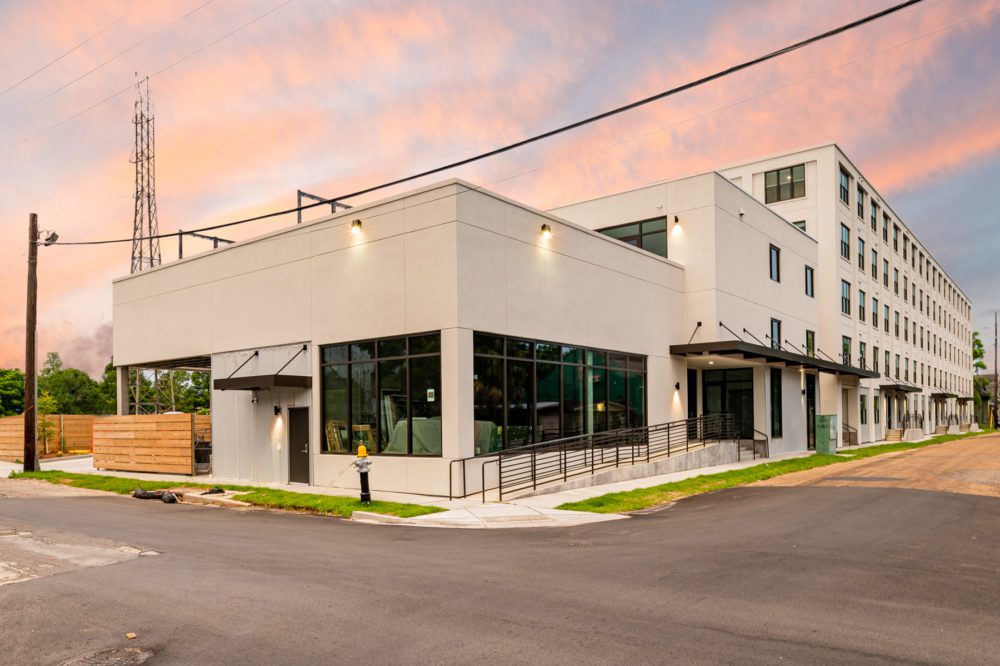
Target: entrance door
(298,445)
(730,391)
(811,412)
(889,413)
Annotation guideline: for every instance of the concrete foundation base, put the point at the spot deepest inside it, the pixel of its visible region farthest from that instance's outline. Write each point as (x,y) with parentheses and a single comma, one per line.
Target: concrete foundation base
(721,453)
(912,434)
(953,430)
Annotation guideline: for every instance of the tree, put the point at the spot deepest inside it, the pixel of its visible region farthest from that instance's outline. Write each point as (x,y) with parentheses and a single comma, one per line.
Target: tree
(978,352)
(46,427)
(73,390)
(52,365)
(11,392)
(108,389)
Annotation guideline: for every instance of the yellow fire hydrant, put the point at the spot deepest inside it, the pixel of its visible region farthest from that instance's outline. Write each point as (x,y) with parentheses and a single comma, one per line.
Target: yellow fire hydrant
(363,463)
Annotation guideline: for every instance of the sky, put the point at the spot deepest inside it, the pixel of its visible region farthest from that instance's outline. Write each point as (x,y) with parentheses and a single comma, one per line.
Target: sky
(254,99)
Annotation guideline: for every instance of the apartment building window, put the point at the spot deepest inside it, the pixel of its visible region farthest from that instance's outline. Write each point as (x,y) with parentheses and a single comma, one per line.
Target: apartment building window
(775,402)
(845,297)
(906,329)
(650,235)
(874,264)
(896,319)
(845,350)
(897,366)
(775,264)
(921,337)
(861,202)
(876,408)
(905,287)
(885,273)
(874,312)
(800,225)
(914,331)
(873,214)
(810,343)
(875,359)
(864,408)
(906,244)
(895,237)
(845,186)
(845,242)
(862,356)
(861,254)
(906,369)
(861,305)
(885,228)
(887,364)
(784,184)
(885,317)
(921,301)
(810,281)
(895,280)
(775,334)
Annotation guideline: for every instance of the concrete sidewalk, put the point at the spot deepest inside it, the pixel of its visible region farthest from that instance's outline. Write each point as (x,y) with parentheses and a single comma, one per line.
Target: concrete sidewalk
(469,512)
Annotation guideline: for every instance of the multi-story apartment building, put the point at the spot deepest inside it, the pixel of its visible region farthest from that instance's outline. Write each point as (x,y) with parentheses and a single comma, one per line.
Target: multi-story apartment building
(449,322)
(885,303)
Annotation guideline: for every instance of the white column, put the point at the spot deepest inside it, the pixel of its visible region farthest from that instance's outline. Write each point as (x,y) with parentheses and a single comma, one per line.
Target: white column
(121,398)
(457,423)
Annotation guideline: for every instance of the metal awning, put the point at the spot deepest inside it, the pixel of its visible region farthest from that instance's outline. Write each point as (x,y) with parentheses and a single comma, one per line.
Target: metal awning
(965,398)
(748,351)
(902,388)
(262,382)
(943,394)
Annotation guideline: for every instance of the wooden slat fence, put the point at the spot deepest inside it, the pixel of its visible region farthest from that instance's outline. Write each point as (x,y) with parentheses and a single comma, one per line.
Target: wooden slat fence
(75,431)
(147,442)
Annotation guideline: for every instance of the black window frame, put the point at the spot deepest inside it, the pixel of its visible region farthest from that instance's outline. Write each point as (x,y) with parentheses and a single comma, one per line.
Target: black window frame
(774,263)
(845,297)
(776,407)
(845,186)
(775,328)
(810,343)
(845,242)
(810,281)
(775,188)
(638,239)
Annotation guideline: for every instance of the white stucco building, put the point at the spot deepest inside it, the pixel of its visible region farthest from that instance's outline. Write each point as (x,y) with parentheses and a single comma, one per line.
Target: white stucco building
(449,322)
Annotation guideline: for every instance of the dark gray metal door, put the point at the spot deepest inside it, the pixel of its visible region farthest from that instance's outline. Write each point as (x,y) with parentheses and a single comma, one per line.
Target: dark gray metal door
(298,445)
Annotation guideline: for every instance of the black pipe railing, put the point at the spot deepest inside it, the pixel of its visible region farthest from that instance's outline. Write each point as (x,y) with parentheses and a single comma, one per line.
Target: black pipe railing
(849,435)
(528,467)
(912,420)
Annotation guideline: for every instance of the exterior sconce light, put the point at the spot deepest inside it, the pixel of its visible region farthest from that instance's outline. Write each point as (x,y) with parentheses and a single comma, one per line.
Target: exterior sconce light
(546,231)
(277,410)
(356,227)
(253,398)
(677,386)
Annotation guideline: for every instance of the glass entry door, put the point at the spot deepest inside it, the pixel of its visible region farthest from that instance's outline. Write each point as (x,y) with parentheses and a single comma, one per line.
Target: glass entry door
(730,391)
(811,411)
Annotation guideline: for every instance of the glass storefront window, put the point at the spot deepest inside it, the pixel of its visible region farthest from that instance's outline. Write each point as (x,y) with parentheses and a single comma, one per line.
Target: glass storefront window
(383,394)
(540,391)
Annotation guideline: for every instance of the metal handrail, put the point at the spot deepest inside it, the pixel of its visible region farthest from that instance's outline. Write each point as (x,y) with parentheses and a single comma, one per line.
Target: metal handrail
(850,434)
(530,465)
(912,420)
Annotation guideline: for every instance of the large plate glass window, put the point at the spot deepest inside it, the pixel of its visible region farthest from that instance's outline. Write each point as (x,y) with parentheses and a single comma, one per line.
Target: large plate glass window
(384,394)
(784,184)
(650,235)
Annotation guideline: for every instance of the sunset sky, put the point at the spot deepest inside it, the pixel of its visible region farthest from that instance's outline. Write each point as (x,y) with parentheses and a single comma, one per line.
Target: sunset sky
(334,96)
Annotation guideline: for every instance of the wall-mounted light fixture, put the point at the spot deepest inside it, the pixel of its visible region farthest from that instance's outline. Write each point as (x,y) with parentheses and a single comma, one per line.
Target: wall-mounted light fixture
(711,362)
(253,398)
(677,220)
(356,227)
(277,410)
(677,386)
(546,231)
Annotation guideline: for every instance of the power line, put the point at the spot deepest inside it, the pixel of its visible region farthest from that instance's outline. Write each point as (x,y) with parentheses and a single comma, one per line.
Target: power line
(52,62)
(548,134)
(164,69)
(118,55)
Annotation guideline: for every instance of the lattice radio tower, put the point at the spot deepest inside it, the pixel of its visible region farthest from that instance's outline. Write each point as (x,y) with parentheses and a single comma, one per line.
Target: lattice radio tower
(145,245)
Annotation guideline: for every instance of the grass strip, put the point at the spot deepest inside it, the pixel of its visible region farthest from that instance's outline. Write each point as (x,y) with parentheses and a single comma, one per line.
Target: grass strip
(643,498)
(272,498)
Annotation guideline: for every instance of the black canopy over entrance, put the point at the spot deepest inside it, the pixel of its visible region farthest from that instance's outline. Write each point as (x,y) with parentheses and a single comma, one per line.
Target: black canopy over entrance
(745,350)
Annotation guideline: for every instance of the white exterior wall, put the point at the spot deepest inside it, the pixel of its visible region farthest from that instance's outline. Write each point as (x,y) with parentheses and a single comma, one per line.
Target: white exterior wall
(448,258)
(824,213)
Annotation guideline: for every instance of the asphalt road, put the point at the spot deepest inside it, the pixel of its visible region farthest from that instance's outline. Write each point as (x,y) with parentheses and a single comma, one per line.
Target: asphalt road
(752,575)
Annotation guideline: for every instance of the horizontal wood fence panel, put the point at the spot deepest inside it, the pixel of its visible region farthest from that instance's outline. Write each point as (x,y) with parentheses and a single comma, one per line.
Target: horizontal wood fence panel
(69,432)
(147,442)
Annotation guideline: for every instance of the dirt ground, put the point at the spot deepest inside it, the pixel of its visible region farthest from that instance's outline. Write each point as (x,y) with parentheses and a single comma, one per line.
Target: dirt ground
(969,466)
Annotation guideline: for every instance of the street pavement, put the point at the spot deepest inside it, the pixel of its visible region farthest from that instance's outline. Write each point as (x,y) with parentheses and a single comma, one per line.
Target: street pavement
(810,573)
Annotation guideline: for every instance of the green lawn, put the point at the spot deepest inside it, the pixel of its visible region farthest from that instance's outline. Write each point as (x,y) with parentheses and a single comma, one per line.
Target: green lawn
(643,498)
(265,497)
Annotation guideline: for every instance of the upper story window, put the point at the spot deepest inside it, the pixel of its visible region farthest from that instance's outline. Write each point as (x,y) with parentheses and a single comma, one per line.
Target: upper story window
(861,202)
(800,225)
(874,312)
(650,235)
(874,264)
(906,244)
(885,228)
(873,209)
(845,186)
(895,237)
(810,280)
(861,305)
(861,254)
(784,184)
(845,352)
(845,297)
(810,343)
(885,272)
(775,334)
(845,242)
(775,264)
(895,280)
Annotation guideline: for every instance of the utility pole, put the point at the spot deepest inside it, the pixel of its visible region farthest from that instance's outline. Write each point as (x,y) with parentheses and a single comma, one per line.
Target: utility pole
(996,371)
(30,372)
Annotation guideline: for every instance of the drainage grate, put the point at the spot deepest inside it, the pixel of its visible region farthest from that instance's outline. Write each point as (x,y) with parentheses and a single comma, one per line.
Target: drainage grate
(123,656)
